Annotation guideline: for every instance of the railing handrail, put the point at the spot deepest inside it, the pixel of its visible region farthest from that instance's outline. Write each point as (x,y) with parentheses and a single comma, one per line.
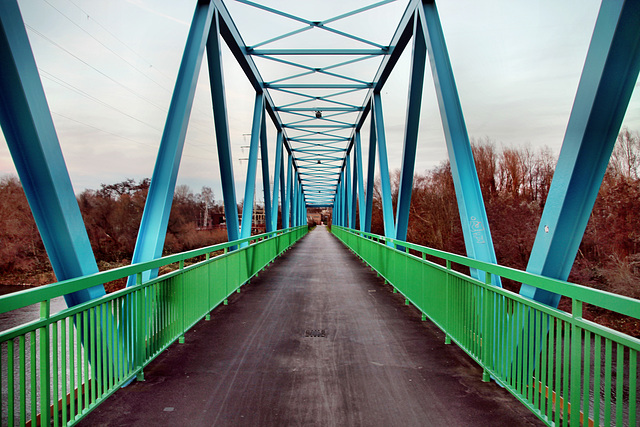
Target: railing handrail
(608,300)
(32,296)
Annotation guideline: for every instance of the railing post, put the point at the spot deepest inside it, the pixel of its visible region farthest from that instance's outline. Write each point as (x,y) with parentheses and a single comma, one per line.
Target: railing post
(207,316)
(182,303)
(576,362)
(45,368)
(486,330)
(447,337)
(139,329)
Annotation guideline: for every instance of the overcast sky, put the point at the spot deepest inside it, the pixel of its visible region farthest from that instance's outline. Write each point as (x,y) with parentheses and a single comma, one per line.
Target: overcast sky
(108,70)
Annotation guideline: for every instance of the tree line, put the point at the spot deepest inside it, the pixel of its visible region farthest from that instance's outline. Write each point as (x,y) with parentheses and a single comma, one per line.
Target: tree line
(112,217)
(515,183)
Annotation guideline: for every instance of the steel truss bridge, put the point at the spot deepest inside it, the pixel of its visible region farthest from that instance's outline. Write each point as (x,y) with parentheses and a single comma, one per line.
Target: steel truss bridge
(564,369)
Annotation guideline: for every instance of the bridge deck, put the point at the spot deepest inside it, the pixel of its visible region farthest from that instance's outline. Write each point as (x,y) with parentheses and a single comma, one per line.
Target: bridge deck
(378,365)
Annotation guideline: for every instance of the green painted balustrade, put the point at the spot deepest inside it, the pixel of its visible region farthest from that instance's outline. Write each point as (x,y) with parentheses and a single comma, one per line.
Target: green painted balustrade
(565,369)
(59,367)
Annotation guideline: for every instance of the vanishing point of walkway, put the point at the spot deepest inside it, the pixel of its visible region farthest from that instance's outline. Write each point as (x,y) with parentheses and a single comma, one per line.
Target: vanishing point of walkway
(252,365)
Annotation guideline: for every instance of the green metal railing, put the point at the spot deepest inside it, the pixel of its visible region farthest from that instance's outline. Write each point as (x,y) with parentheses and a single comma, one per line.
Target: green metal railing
(58,368)
(565,369)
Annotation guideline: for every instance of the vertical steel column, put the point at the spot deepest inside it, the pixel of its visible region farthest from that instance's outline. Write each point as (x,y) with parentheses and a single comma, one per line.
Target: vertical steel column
(300,201)
(370,174)
(303,217)
(385,185)
(354,192)
(334,209)
(277,171)
(418,63)
(286,205)
(266,186)
(250,184)
(475,226)
(155,217)
(347,180)
(361,198)
(283,190)
(32,140)
(294,201)
(338,213)
(221,124)
(341,199)
(608,78)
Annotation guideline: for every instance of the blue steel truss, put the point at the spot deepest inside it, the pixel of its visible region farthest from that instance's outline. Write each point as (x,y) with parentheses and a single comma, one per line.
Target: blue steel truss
(318,154)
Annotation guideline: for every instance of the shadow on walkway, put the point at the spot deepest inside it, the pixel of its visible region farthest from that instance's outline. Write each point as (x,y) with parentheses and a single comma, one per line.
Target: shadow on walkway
(253,365)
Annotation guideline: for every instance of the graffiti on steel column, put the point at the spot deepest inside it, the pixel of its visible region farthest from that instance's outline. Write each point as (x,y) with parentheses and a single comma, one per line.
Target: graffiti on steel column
(477,229)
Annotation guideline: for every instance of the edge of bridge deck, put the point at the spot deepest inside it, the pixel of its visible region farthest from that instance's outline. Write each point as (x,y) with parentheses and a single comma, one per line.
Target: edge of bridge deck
(253,365)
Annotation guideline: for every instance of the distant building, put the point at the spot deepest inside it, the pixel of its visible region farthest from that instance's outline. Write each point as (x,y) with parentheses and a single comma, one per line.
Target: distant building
(314,218)
(258,223)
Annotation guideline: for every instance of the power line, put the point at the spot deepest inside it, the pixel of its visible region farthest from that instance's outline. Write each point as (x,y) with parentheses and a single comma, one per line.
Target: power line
(79,91)
(121,136)
(103,74)
(105,46)
(120,40)
(95,69)
(123,43)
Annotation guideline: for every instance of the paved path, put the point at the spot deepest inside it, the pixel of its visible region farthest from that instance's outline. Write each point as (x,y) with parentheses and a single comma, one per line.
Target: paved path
(252,365)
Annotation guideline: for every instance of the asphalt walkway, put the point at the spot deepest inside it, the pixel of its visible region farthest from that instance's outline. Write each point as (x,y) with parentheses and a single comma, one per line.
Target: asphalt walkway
(253,365)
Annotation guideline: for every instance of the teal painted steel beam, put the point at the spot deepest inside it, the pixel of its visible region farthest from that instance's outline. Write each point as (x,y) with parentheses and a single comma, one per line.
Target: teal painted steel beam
(32,140)
(340,214)
(475,226)
(354,192)
(310,71)
(250,183)
(231,36)
(399,41)
(370,176)
(608,78)
(277,182)
(361,198)
(294,202)
(313,24)
(318,150)
(308,118)
(296,109)
(385,184)
(286,206)
(264,158)
(317,86)
(318,180)
(318,173)
(329,141)
(221,125)
(318,126)
(283,189)
(157,208)
(347,180)
(321,157)
(418,64)
(328,52)
(322,168)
